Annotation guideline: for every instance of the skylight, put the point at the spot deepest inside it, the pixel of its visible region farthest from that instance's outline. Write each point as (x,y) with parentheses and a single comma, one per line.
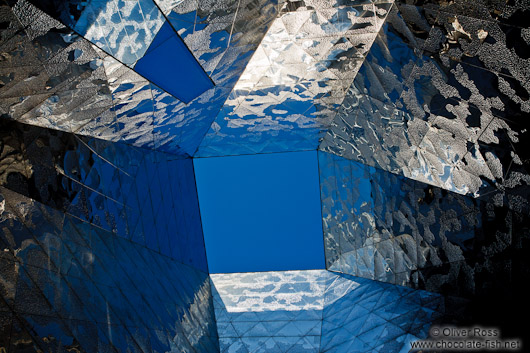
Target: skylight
(261,212)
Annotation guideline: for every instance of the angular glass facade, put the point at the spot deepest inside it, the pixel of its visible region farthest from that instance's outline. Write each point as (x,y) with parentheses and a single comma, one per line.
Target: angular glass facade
(416,110)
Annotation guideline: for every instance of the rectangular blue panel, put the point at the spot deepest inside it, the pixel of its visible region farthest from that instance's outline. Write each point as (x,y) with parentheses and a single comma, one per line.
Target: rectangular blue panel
(169,64)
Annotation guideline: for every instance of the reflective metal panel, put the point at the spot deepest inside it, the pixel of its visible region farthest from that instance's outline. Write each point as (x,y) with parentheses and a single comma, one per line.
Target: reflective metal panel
(68,284)
(432,100)
(382,226)
(319,311)
(296,80)
(145,196)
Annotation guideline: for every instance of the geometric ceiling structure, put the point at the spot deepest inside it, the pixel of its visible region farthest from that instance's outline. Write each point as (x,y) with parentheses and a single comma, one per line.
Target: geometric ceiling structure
(416,112)
(291,88)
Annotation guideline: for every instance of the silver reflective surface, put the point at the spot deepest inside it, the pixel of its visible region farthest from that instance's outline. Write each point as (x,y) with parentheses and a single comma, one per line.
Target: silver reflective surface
(434,104)
(291,88)
(419,110)
(318,311)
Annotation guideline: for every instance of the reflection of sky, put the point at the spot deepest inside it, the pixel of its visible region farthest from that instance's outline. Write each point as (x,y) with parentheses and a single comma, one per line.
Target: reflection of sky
(261,212)
(279,291)
(271,291)
(290,89)
(318,311)
(123,29)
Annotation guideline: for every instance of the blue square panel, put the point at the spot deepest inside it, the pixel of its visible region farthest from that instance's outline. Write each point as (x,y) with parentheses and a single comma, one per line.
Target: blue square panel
(261,212)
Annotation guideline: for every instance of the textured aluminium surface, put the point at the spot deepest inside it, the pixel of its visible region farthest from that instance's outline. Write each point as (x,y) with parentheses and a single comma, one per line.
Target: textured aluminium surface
(269,312)
(419,110)
(137,34)
(439,104)
(290,90)
(318,311)
(67,284)
(123,29)
(447,110)
(145,196)
(382,226)
(54,78)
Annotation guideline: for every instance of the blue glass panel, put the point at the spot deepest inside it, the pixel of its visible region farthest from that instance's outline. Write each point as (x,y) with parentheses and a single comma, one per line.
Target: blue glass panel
(169,64)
